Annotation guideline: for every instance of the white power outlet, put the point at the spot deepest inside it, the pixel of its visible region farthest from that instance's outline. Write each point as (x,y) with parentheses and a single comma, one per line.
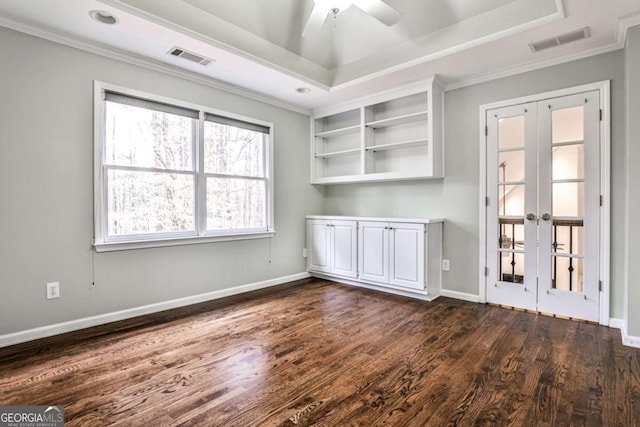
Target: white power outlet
(53,290)
(304,253)
(445,265)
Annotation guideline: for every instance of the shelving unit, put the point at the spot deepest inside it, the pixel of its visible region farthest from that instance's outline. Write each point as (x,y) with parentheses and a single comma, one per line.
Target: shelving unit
(337,144)
(390,136)
(395,145)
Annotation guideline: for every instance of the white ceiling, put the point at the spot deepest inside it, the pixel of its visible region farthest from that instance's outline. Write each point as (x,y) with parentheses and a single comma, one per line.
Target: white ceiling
(259,51)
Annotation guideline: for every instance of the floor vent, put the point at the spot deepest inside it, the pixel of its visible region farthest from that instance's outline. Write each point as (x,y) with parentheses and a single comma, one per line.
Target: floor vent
(560,40)
(182,53)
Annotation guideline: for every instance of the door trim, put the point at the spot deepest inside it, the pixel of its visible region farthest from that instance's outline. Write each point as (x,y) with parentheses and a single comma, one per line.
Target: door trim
(604,88)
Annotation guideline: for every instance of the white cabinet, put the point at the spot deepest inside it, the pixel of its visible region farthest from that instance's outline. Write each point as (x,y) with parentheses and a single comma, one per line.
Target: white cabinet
(391,136)
(392,253)
(401,256)
(332,247)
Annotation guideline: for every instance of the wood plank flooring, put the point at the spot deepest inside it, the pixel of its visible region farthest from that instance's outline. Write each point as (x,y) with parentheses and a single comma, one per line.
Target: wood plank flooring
(319,353)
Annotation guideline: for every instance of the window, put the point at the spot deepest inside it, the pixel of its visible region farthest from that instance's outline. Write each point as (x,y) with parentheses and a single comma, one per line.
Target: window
(174,173)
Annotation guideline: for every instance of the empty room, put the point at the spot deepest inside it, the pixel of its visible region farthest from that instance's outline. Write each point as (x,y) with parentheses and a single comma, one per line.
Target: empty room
(319,212)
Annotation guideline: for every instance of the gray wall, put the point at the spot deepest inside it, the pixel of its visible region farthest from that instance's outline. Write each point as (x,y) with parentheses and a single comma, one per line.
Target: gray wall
(46,194)
(632,65)
(456,197)
(46,186)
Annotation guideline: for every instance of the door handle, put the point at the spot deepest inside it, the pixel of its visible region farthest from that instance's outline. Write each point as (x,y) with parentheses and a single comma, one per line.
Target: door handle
(546,217)
(531,217)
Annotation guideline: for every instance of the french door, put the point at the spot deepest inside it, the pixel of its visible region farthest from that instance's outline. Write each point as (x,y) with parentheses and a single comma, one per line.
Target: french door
(543,210)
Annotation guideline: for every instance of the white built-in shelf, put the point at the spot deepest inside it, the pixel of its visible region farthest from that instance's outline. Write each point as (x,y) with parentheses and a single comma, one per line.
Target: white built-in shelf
(339,132)
(341,153)
(390,136)
(395,145)
(398,120)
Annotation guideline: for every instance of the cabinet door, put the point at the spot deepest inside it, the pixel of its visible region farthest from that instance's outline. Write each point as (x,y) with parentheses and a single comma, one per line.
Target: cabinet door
(373,251)
(318,242)
(406,250)
(344,248)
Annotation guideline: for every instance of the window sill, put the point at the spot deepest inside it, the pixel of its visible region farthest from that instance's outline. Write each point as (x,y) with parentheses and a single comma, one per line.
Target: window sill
(178,241)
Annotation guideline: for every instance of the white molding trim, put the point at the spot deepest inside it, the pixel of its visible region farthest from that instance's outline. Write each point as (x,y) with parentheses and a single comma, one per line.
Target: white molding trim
(87,322)
(387,290)
(624,24)
(137,60)
(520,69)
(616,323)
(604,88)
(627,340)
(460,295)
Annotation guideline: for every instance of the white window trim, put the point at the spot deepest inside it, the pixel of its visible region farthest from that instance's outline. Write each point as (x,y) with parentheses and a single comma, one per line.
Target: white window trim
(102,244)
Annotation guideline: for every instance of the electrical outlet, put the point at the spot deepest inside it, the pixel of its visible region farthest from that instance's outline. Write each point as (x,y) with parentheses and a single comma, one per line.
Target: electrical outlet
(445,265)
(304,253)
(53,290)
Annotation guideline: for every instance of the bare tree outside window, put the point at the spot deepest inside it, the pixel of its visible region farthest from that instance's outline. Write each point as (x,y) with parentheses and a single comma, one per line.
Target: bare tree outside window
(153,184)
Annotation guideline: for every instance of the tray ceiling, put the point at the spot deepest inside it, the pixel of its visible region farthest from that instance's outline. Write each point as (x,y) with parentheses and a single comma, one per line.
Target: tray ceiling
(257,45)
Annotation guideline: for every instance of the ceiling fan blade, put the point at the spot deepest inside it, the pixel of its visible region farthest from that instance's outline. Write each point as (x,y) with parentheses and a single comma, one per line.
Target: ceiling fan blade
(316,19)
(379,10)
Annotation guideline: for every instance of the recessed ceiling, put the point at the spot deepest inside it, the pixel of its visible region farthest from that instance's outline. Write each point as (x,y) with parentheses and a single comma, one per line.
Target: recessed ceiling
(257,45)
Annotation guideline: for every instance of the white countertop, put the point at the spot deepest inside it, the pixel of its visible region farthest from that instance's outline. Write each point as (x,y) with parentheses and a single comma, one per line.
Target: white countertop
(380,219)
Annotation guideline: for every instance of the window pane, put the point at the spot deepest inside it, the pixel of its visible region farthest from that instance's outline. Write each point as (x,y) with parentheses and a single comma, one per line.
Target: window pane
(567,273)
(568,237)
(511,234)
(567,125)
(568,162)
(511,166)
(568,199)
(140,137)
(236,203)
(231,150)
(511,267)
(511,201)
(511,132)
(147,202)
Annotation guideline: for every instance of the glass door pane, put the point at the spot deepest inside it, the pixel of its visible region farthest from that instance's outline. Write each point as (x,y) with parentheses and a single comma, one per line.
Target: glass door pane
(511,199)
(567,198)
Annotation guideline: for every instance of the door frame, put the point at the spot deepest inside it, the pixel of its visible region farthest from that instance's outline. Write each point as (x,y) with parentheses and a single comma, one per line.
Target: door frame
(604,89)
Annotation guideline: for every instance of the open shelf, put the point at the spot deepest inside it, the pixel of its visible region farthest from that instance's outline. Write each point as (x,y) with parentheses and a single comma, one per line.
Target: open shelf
(338,153)
(394,145)
(384,137)
(399,120)
(338,132)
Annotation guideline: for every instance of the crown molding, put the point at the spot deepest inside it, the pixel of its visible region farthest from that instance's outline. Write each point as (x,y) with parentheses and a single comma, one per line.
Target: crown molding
(146,63)
(624,24)
(513,71)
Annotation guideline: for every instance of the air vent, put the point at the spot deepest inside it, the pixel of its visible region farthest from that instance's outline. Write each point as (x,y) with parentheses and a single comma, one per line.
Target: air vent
(560,40)
(194,57)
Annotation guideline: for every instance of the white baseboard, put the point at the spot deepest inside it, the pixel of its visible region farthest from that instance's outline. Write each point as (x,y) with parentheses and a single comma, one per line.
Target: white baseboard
(616,323)
(628,340)
(460,295)
(87,322)
(424,296)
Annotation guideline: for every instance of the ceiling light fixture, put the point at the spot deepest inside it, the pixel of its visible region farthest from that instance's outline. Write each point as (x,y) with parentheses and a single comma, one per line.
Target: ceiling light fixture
(378,9)
(334,6)
(103,17)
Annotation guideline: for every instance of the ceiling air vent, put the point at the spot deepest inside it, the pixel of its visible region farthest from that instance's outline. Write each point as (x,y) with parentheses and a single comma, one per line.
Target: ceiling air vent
(560,40)
(194,57)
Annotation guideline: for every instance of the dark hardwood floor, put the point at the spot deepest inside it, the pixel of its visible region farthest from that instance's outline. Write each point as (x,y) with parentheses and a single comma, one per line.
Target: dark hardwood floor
(318,353)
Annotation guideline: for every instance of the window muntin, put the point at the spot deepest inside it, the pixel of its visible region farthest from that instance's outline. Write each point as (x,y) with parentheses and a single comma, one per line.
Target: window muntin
(167,171)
